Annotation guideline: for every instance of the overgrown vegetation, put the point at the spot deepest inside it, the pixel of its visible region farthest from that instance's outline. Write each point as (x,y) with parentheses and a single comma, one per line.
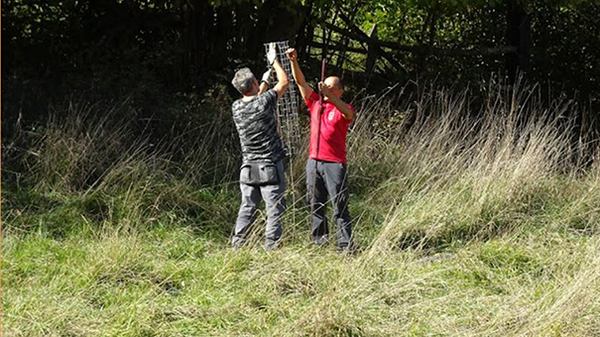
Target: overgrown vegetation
(474,220)
(477,210)
(147,52)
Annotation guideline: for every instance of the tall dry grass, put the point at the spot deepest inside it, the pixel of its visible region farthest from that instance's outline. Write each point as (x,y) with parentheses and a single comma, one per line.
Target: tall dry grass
(475,218)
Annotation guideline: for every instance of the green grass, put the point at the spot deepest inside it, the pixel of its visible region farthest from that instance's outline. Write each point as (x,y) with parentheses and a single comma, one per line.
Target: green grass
(487,231)
(169,281)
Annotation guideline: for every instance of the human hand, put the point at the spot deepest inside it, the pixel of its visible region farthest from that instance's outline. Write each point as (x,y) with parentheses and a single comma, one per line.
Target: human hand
(292,54)
(266,76)
(272,53)
(324,89)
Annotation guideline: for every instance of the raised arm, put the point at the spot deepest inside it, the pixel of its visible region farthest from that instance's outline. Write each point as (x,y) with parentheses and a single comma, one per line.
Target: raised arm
(282,79)
(264,82)
(305,89)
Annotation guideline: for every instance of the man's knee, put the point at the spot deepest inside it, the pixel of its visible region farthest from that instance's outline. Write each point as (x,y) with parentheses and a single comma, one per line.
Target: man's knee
(341,213)
(247,211)
(276,208)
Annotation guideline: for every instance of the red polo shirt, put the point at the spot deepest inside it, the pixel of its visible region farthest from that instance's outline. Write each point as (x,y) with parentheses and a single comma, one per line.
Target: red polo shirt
(334,128)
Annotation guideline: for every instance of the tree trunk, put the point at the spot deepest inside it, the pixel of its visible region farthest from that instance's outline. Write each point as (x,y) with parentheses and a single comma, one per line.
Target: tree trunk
(372,55)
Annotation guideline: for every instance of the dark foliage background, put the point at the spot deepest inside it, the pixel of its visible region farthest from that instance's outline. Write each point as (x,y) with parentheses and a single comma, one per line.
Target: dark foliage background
(165,58)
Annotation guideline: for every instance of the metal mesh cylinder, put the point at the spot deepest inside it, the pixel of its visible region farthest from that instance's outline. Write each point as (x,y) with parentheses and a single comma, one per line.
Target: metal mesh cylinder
(287,105)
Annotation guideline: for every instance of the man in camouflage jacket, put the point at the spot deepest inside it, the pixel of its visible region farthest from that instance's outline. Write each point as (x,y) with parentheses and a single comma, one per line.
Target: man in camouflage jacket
(262,172)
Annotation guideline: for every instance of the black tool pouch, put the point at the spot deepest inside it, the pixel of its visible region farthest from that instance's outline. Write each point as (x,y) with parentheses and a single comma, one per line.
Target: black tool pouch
(259,174)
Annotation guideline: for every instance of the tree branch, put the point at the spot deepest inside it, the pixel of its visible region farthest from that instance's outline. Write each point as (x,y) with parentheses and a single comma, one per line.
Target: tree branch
(420,49)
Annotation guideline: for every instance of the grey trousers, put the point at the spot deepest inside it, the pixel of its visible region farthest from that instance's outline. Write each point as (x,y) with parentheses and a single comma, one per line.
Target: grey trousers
(275,204)
(329,179)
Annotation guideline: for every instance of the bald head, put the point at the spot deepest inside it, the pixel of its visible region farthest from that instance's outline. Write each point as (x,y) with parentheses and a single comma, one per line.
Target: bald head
(335,85)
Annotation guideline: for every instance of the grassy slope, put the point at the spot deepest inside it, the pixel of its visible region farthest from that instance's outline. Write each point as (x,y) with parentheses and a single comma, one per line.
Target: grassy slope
(170,282)
(469,227)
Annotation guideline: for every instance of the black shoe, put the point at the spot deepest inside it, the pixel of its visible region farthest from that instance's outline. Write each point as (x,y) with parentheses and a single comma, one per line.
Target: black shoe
(351,249)
(269,246)
(323,241)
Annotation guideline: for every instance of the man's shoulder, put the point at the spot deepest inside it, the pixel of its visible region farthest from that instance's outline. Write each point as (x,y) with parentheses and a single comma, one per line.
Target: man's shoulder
(312,101)
(269,92)
(236,104)
(240,105)
(313,97)
(269,95)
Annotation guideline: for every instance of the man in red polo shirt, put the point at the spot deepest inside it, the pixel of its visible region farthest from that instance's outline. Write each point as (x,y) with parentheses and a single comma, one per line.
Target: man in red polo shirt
(326,170)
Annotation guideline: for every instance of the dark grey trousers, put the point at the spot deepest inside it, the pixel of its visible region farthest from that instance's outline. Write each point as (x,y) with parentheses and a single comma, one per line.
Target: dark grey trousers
(329,181)
(275,204)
